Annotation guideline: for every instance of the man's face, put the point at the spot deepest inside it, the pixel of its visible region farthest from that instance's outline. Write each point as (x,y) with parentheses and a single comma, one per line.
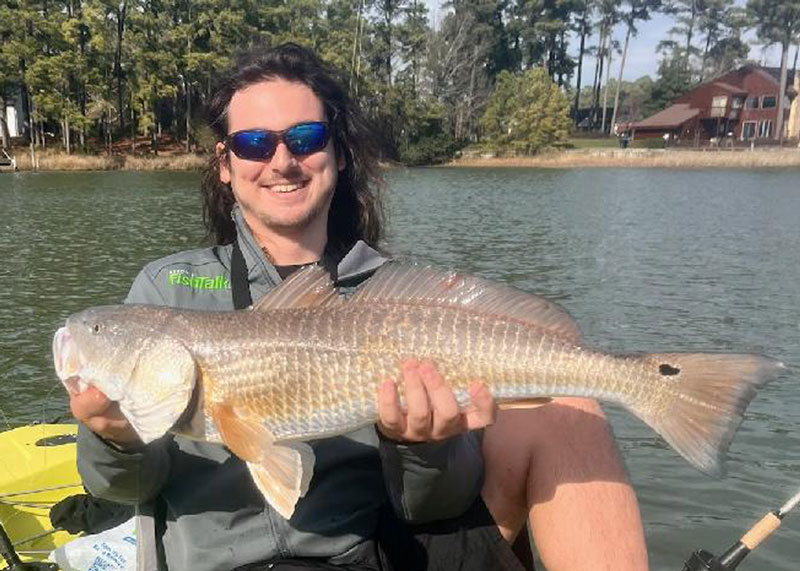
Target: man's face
(287,195)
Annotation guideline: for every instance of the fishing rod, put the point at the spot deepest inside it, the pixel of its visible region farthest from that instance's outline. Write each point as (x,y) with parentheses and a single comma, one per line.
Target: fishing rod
(702,560)
(9,555)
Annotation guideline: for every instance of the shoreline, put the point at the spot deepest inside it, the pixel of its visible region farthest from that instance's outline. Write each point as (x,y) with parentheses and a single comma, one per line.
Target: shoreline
(577,158)
(644,158)
(168,161)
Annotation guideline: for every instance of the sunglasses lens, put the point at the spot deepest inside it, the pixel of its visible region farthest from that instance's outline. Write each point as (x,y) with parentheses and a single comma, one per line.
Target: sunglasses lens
(253,145)
(306,138)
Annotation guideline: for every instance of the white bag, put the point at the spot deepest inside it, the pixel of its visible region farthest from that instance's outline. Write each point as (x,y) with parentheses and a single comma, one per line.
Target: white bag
(111,550)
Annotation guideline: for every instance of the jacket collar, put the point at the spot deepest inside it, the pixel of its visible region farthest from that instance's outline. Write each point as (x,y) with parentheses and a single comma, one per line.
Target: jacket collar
(259,270)
(356,265)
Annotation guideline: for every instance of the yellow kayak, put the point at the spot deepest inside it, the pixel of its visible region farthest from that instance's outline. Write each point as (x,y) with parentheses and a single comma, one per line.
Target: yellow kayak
(37,470)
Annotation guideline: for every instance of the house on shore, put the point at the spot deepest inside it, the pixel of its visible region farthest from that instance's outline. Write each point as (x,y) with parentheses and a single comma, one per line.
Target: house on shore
(13,112)
(736,107)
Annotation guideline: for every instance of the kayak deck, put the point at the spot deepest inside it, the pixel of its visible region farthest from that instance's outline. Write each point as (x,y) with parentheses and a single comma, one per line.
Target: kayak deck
(37,470)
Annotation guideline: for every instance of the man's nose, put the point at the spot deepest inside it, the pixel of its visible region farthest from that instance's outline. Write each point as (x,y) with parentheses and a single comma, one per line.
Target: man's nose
(283,160)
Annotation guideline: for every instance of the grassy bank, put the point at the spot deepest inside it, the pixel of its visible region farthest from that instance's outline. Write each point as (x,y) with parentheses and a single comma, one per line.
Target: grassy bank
(586,157)
(643,158)
(54,161)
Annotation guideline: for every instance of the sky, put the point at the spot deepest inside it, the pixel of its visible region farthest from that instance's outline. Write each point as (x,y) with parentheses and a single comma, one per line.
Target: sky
(642,56)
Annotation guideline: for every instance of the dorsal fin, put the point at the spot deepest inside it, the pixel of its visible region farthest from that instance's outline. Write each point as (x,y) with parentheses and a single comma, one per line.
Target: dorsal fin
(308,287)
(411,284)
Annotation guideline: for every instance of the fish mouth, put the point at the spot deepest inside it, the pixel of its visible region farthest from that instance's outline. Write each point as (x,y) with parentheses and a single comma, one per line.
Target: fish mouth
(67,360)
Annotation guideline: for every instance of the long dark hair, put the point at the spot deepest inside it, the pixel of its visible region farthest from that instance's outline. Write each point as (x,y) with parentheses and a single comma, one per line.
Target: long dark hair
(356,211)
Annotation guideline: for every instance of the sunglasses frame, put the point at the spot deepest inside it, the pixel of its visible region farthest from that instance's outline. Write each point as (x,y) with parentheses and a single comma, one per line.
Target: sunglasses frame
(278,137)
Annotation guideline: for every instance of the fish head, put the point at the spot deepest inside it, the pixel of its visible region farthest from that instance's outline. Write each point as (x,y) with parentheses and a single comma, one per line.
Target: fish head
(133,356)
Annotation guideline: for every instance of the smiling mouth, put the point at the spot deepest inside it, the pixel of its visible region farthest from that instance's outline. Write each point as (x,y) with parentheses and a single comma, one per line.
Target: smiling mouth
(286,188)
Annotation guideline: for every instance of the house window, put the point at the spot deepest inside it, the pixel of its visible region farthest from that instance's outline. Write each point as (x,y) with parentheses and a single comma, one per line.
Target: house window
(718,105)
(737,102)
(751,103)
(768,102)
(765,129)
(749,130)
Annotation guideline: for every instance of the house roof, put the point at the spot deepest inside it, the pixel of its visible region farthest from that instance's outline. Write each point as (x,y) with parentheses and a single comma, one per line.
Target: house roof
(775,72)
(729,87)
(673,116)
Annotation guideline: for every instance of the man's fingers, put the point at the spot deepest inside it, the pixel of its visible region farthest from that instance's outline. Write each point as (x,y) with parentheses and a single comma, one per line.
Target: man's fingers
(483,410)
(432,411)
(391,419)
(88,403)
(418,417)
(446,418)
(101,415)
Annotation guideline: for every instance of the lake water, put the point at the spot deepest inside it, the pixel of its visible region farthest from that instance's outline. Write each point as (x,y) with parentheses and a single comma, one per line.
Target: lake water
(645,260)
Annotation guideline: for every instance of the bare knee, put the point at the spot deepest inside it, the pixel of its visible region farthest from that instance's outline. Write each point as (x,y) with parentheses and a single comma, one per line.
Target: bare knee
(530,452)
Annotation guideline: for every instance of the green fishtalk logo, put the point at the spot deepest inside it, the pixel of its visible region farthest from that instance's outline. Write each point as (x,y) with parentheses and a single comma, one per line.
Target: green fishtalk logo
(185,279)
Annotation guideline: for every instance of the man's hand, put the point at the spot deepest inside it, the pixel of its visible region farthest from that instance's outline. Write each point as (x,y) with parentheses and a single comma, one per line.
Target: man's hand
(432,412)
(103,417)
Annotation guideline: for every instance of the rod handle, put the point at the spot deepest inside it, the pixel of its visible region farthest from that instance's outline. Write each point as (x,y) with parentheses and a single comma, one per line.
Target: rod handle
(760,531)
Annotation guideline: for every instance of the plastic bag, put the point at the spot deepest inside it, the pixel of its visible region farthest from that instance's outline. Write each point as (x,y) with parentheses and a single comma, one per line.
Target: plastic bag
(111,550)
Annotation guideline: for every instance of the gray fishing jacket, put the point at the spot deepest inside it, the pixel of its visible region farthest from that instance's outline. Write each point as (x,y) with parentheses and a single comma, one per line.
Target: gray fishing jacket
(216,519)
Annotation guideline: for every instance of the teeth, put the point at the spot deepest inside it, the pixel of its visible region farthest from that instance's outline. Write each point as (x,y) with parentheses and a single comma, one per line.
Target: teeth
(285,187)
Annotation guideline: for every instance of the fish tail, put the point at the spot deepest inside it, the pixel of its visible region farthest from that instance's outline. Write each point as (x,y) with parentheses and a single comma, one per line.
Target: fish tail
(708,402)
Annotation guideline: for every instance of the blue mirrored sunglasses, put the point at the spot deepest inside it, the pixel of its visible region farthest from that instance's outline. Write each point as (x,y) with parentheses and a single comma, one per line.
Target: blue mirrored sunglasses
(260,144)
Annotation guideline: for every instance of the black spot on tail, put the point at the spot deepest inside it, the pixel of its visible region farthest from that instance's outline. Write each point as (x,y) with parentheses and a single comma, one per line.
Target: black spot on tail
(668,370)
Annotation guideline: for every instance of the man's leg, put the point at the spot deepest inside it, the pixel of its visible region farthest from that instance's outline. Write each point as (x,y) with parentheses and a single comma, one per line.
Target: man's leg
(558,467)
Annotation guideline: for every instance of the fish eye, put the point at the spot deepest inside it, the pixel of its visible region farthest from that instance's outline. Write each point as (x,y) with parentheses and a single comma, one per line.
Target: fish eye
(96,328)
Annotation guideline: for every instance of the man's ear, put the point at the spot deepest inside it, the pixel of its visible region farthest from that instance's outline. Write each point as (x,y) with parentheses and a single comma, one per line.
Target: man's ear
(224,166)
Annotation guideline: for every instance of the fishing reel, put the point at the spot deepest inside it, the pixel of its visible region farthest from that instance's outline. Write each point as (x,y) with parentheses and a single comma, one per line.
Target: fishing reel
(702,560)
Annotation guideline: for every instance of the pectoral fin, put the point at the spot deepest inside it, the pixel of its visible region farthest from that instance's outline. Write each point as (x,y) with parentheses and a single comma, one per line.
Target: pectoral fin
(282,472)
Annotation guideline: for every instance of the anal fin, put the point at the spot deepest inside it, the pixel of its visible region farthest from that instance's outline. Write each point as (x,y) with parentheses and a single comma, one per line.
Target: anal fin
(281,472)
(283,475)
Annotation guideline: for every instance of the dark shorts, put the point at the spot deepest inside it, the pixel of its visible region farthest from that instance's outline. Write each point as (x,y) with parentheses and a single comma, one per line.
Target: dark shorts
(470,542)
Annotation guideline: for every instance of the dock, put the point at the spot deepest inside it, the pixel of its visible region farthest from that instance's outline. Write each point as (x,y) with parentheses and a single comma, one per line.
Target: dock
(7,162)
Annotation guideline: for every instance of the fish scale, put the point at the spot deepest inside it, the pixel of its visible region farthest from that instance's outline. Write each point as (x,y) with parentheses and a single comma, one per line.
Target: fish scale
(282,379)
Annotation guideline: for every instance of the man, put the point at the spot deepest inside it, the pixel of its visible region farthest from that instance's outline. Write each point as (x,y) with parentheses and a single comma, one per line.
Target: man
(293,183)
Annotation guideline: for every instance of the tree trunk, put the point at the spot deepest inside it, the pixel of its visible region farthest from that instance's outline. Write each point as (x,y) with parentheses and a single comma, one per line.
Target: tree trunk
(67,145)
(782,92)
(705,58)
(619,79)
(598,75)
(354,67)
(133,130)
(118,61)
(471,95)
(107,122)
(576,105)
(605,91)
(27,119)
(690,32)
(188,116)
(602,60)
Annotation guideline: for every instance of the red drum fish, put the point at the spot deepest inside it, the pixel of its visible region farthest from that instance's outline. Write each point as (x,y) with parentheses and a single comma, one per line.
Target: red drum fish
(306,361)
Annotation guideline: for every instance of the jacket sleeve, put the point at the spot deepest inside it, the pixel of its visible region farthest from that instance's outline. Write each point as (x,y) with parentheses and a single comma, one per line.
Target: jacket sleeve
(433,480)
(125,477)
